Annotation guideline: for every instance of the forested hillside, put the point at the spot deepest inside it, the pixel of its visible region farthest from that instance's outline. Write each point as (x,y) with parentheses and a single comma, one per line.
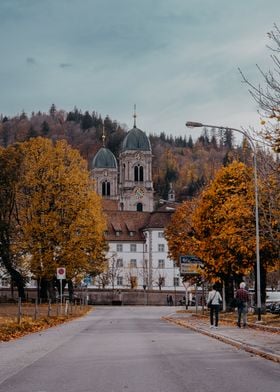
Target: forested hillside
(185,163)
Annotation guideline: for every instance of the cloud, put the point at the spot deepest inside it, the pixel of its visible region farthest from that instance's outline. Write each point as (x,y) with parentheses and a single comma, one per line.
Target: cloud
(65,65)
(30,60)
(176,59)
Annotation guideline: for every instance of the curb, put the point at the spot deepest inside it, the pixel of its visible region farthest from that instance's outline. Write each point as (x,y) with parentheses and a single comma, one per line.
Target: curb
(232,342)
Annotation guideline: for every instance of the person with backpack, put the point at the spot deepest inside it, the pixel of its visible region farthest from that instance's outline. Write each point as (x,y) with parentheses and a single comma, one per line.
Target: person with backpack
(214,300)
(242,300)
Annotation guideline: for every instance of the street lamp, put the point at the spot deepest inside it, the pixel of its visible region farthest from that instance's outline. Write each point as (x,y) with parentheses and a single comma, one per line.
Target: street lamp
(191,124)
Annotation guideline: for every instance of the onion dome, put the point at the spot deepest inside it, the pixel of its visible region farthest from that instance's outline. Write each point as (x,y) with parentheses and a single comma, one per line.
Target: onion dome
(136,140)
(104,158)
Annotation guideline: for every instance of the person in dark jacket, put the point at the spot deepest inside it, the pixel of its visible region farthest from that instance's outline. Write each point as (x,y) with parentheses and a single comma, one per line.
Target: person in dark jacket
(242,300)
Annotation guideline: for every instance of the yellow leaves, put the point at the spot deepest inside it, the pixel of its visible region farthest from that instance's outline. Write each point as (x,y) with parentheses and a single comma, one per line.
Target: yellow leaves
(221,223)
(60,216)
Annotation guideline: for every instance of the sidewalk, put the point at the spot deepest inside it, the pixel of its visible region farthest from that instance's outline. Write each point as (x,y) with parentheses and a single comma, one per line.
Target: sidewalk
(254,338)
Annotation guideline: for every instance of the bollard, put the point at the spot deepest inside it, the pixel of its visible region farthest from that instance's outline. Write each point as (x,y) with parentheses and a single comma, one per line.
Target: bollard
(19,311)
(49,308)
(36,309)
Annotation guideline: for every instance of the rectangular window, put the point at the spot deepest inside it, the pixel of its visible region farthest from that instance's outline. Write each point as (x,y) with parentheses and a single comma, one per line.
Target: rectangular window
(119,263)
(119,280)
(133,263)
(161,247)
(5,282)
(161,263)
(160,234)
(119,248)
(132,247)
(176,282)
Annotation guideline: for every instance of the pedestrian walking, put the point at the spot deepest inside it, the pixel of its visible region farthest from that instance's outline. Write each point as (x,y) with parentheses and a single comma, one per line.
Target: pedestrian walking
(167,300)
(214,300)
(170,300)
(242,300)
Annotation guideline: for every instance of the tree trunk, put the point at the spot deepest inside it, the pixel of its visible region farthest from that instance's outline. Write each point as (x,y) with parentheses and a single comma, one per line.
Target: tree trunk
(70,290)
(44,290)
(229,290)
(16,277)
(6,261)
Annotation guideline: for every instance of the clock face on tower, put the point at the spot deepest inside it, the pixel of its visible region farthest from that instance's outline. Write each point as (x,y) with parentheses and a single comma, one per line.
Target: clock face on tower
(139,192)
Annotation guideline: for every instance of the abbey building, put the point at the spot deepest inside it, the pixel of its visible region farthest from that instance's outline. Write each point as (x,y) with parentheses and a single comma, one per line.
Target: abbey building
(138,252)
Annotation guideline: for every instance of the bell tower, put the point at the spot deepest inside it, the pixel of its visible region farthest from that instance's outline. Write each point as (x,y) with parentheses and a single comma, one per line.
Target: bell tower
(136,185)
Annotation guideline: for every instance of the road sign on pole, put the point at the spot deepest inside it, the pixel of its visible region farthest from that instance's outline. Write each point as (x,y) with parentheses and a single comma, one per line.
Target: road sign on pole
(189,265)
(61,273)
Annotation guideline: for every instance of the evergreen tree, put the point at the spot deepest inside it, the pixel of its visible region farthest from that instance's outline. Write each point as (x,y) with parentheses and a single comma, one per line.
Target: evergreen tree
(31,133)
(45,128)
(86,121)
(190,142)
(52,110)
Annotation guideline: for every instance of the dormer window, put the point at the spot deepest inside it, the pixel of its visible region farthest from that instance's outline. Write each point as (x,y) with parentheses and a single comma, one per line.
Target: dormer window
(131,233)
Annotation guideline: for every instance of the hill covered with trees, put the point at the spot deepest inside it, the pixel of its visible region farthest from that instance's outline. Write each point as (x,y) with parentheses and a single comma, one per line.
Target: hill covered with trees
(185,163)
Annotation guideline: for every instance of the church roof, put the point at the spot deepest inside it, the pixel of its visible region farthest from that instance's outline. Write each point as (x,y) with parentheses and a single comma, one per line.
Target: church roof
(104,158)
(136,140)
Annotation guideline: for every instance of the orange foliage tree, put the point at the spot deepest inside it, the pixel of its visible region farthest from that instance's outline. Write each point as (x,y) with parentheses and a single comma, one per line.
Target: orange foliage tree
(59,216)
(221,229)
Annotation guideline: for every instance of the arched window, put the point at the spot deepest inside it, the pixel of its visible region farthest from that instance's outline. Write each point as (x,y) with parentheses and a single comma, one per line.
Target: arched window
(136,176)
(138,173)
(123,172)
(141,173)
(106,189)
(139,207)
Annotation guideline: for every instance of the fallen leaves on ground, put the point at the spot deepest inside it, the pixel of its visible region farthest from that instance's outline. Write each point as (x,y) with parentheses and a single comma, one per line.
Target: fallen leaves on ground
(10,329)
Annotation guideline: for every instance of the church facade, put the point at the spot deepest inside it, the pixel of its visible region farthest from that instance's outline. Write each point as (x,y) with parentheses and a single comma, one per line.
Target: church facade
(138,252)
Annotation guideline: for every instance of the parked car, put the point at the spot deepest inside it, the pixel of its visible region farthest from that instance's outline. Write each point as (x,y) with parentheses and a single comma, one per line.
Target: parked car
(273,302)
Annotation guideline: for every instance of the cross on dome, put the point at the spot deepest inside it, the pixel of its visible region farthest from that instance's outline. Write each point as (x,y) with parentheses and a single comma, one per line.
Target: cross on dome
(103,135)
(134,115)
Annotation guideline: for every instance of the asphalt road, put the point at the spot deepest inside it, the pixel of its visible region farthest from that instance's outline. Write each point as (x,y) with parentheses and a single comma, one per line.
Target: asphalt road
(130,349)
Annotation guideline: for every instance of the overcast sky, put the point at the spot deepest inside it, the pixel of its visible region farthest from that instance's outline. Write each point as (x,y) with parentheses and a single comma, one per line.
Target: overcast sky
(177,60)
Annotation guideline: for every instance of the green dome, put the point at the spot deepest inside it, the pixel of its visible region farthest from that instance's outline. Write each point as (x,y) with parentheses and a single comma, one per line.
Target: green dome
(136,140)
(104,158)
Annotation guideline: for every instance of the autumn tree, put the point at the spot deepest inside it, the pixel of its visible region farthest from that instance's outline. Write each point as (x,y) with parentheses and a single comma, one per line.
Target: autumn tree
(179,232)
(221,229)
(167,173)
(61,216)
(60,220)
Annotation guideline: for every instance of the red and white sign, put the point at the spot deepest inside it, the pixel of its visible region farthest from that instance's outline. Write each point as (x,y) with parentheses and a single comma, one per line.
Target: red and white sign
(61,273)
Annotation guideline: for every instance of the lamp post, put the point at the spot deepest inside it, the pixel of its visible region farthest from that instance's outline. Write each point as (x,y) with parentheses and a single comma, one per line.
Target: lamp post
(192,124)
